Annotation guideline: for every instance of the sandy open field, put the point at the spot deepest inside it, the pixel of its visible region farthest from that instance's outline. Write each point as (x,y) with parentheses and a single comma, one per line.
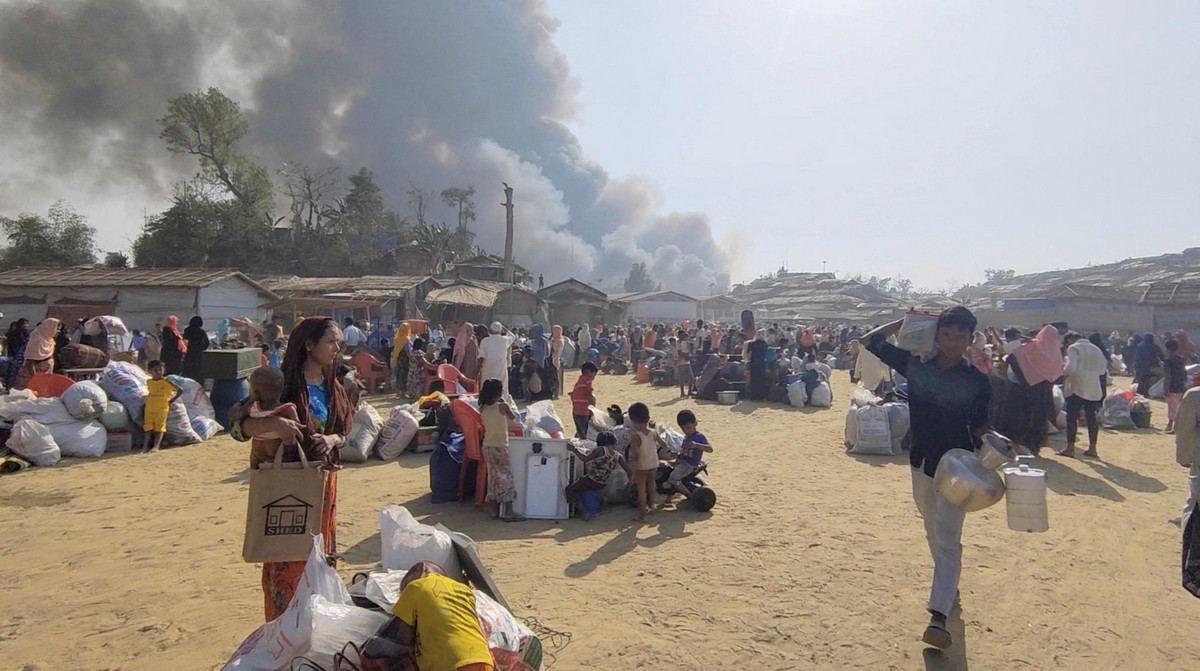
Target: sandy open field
(812,559)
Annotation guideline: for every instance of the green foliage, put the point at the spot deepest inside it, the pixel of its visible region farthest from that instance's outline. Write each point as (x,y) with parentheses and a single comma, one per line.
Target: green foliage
(116,260)
(996,275)
(639,279)
(62,238)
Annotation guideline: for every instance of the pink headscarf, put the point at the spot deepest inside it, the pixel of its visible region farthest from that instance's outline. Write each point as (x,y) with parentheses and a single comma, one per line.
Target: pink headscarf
(41,340)
(1041,359)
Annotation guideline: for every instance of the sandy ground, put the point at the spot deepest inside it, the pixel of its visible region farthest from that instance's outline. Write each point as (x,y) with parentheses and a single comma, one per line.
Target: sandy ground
(812,559)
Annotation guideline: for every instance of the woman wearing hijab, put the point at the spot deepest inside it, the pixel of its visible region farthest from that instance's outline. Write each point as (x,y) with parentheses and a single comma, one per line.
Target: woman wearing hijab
(584,340)
(1187,349)
(756,352)
(324,413)
(1147,358)
(554,369)
(466,351)
(61,340)
(419,369)
(401,346)
(173,346)
(1027,406)
(14,346)
(39,352)
(196,339)
(540,344)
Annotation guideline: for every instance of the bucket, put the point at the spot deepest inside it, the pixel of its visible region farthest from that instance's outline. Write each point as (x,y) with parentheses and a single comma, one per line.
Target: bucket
(591,501)
(226,394)
(1025,499)
(727,397)
(1141,418)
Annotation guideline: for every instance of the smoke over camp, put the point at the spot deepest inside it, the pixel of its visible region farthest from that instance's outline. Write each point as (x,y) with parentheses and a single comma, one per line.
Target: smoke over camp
(432,94)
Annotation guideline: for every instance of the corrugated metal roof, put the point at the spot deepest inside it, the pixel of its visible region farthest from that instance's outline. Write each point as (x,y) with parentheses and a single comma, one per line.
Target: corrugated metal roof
(647,295)
(462,294)
(91,276)
(1172,293)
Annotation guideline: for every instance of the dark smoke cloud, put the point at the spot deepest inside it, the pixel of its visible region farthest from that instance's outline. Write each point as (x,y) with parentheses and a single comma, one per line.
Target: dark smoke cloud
(433,94)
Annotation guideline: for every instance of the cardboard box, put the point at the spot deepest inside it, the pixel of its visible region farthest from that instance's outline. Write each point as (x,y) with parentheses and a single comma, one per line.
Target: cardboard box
(119,441)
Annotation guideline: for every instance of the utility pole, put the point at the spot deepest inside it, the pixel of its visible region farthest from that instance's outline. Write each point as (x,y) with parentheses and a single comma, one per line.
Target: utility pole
(508,233)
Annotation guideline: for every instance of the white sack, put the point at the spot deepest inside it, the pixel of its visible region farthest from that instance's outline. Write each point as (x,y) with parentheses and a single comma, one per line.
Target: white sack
(32,440)
(80,439)
(85,400)
(868,430)
(797,396)
(405,541)
(396,434)
(822,396)
(364,429)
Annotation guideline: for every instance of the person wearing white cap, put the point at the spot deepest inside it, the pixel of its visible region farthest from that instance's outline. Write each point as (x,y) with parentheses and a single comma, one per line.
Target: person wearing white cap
(495,354)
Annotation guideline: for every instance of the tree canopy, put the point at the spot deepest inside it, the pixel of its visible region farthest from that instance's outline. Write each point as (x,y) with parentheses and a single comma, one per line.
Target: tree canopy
(61,238)
(639,279)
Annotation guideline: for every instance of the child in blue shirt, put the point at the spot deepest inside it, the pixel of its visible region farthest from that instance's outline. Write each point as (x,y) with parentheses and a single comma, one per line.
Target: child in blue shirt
(690,456)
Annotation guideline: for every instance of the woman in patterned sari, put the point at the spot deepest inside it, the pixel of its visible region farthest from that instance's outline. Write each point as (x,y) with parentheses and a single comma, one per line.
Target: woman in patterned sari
(323,408)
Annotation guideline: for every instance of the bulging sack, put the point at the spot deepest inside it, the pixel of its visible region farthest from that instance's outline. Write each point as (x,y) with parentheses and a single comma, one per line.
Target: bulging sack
(797,396)
(272,646)
(396,434)
(363,433)
(80,439)
(114,417)
(85,400)
(868,430)
(822,396)
(405,541)
(918,333)
(32,441)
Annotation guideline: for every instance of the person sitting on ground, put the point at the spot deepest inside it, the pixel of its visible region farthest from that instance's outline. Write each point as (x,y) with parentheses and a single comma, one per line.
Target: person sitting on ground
(437,622)
(161,393)
(582,397)
(598,465)
(695,444)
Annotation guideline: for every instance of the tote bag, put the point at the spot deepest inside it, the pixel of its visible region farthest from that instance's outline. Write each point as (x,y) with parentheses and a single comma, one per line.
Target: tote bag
(284,510)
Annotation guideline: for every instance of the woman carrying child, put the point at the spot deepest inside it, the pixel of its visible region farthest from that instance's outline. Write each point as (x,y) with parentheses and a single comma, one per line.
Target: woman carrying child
(323,408)
(497,415)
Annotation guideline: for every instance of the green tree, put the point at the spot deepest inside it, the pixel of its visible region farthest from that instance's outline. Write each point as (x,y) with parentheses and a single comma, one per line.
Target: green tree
(116,260)
(463,201)
(639,279)
(62,238)
(181,236)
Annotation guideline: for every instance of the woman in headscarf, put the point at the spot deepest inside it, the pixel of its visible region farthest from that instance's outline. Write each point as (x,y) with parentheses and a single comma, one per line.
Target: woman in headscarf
(977,353)
(1129,353)
(401,346)
(14,345)
(1147,359)
(419,369)
(466,351)
(324,413)
(540,344)
(39,352)
(1098,341)
(1026,407)
(61,340)
(554,369)
(1187,349)
(584,340)
(760,383)
(173,346)
(197,341)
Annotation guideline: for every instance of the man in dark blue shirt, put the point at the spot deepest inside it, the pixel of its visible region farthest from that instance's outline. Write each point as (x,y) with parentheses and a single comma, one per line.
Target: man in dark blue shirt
(948,405)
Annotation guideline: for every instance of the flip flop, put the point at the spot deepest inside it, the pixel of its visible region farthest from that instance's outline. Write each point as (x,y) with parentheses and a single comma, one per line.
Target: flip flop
(936,636)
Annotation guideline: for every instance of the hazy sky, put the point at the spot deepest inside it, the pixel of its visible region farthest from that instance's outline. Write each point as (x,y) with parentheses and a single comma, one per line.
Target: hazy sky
(930,140)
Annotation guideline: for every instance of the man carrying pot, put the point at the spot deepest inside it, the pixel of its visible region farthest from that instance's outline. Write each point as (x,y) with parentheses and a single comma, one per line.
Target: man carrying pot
(948,405)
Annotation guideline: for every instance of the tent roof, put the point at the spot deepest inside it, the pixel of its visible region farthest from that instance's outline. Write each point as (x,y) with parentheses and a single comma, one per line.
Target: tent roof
(648,296)
(91,276)
(462,294)
(1172,293)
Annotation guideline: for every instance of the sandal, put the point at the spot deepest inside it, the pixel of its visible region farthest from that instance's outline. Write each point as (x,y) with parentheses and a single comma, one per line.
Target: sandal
(937,636)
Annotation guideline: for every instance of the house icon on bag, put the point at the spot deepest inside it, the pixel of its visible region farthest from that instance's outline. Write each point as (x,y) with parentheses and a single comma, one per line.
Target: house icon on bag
(286,516)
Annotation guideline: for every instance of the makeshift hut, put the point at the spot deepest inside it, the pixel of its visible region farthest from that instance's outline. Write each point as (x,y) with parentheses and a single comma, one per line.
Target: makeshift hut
(1176,305)
(139,296)
(647,306)
(371,296)
(482,302)
(573,302)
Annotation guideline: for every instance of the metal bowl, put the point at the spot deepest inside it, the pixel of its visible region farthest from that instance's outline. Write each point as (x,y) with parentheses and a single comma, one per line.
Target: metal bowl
(966,483)
(996,450)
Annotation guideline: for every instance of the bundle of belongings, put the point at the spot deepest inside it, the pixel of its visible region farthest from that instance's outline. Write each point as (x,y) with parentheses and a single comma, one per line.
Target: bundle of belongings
(91,418)
(415,426)
(874,427)
(431,579)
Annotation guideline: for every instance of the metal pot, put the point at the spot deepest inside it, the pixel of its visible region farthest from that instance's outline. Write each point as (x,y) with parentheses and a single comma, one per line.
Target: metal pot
(966,483)
(996,451)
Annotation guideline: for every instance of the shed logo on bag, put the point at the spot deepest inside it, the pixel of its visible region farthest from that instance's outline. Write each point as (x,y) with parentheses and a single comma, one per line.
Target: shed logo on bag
(286,516)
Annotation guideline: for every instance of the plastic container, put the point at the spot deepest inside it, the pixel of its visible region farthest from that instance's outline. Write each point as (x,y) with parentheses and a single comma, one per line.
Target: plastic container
(1141,418)
(727,397)
(918,333)
(643,372)
(592,500)
(1025,499)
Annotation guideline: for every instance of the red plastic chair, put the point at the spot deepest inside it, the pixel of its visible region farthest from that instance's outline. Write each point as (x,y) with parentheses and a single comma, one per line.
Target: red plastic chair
(450,376)
(49,385)
(372,371)
(471,423)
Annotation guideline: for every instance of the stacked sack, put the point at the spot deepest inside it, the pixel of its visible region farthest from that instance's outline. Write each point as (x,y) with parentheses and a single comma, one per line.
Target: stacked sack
(68,423)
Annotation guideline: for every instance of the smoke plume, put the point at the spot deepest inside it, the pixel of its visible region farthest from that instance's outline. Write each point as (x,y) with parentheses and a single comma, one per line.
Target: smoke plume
(438,94)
